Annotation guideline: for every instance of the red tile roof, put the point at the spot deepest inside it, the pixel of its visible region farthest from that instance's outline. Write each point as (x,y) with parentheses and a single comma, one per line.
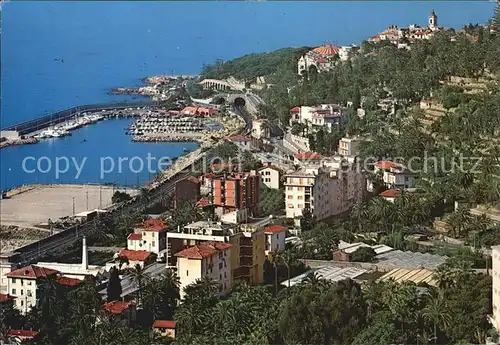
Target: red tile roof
(203,250)
(203,202)
(327,50)
(117,307)
(307,155)
(135,255)
(134,237)
(164,324)
(275,228)
(238,137)
(68,281)
(388,165)
(5,298)
(390,193)
(295,110)
(32,271)
(156,225)
(22,333)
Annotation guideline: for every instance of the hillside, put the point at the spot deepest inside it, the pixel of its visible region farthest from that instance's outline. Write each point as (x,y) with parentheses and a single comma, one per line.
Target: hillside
(251,66)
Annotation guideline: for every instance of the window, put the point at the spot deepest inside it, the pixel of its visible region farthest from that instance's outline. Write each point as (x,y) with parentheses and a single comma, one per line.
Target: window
(28,293)
(289,188)
(13,291)
(22,292)
(29,282)
(22,282)
(290,197)
(220,266)
(22,303)
(300,197)
(220,276)
(187,273)
(13,280)
(268,173)
(290,205)
(225,275)
(153,243)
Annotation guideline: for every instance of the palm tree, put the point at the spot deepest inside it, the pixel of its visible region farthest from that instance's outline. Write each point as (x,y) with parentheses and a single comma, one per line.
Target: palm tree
(275,259)
(139,276)
(359,214)
(435,313)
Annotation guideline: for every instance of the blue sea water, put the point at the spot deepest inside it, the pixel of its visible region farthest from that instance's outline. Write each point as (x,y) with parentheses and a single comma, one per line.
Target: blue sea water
(59,54)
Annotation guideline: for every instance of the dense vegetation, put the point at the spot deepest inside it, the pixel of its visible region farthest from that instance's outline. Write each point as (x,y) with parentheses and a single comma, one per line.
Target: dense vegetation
(251,66)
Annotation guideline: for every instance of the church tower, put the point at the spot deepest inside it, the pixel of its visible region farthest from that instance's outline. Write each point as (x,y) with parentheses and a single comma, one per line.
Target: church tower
(433,20)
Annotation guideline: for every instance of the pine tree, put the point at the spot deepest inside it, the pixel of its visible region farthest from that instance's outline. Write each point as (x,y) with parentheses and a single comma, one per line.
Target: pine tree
(497,13)
(114,288)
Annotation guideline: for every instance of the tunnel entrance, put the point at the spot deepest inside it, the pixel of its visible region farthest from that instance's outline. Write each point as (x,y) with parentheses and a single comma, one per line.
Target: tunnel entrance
(239,102)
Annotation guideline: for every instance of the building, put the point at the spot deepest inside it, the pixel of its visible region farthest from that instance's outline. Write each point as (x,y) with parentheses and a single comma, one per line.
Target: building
(210,259)
(417,276)
(6,299)
(345,250)
(329,116)
(270,176)
(411,34)
(150,236)
(260,129)
(119,311)
(164,328)
(275,237)
(21,335)
(495,274)
(186,191)
(390,194)
(24,284)
(326,190)
(236,196)
(246,264)
(137,257)
(241,140)
(331,273)
(198,111)
(324,58)
(394,175)
(350,146)
(306,158)
(77,271)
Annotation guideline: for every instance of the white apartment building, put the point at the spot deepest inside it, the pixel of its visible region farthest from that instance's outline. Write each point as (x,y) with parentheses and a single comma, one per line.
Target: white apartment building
(23,284)
(325,190)
(349,146)
(149,236)
(394,175)
(324,115)
(270,175)
(275,237)
(211,259)
(495,257)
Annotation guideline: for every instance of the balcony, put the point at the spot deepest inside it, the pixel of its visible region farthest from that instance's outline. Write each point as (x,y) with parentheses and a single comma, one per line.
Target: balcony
(242,273)
(246,262)
(246,251)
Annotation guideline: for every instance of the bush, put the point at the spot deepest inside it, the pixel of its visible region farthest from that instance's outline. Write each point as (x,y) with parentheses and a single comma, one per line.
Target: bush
(363,254)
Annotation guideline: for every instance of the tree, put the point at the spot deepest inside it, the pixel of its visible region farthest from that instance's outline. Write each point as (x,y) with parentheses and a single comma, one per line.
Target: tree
(120,196)
(307,220)
(114,288)
(435,313)
(363,254)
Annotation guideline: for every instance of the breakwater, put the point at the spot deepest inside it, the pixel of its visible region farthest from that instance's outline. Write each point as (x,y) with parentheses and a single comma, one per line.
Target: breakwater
(43,122)
(8,143)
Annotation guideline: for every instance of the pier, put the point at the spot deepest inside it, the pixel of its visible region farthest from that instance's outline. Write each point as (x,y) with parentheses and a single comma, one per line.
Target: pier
(46,121)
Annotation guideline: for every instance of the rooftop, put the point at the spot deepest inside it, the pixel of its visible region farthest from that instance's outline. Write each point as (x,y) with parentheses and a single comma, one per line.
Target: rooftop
(5,297)
(400,275)
(134,237)
(307,155)
(68,281)
(32,271)
(204,250)
(352,247)
(22,333)
(331,273)
(156,225)
(117,307)
(238,137)
(387,165)
(164,324)
(390,193)
(135,255)
(275,228)
(411,260)
(328,49)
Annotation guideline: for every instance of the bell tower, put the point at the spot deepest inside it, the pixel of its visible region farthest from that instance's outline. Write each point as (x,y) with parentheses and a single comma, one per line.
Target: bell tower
(433,20)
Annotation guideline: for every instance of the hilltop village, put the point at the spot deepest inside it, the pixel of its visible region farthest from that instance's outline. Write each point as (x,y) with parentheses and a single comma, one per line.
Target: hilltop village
(342,195)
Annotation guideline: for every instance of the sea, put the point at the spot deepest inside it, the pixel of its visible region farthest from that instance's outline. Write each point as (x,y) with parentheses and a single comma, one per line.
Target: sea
(59,54)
